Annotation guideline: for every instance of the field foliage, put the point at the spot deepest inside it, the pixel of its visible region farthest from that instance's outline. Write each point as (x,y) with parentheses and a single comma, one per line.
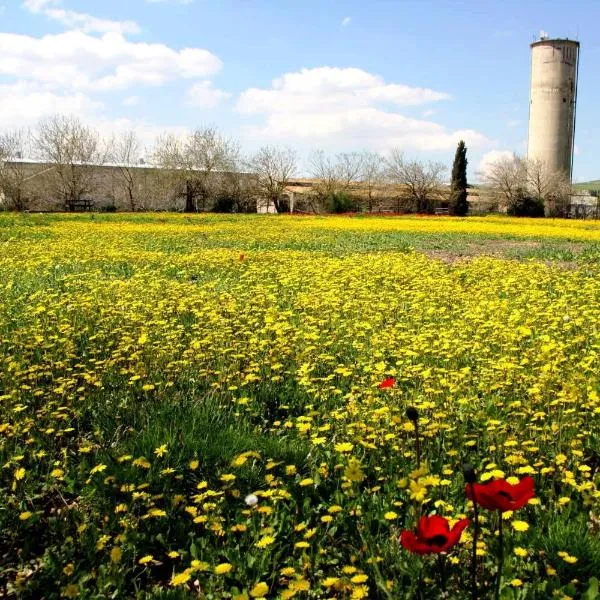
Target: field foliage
(157,370)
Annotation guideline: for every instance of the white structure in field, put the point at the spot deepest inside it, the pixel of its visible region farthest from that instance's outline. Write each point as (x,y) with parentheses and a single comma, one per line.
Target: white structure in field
(552,103)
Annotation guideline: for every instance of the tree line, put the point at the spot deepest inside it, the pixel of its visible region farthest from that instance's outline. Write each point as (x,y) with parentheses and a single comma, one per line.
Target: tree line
(528,188)
(73,167)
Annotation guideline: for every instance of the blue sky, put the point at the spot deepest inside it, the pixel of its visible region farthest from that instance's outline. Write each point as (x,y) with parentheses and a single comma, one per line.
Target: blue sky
(334,75)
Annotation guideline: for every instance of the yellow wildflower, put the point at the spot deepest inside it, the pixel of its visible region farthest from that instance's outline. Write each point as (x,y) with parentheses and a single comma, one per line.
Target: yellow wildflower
(259,590)
(223,569)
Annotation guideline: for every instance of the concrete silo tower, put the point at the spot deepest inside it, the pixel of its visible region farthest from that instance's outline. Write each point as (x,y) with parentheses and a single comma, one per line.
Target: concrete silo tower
(553,96)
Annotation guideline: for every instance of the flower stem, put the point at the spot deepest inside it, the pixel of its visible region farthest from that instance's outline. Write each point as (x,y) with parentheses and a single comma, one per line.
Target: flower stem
(418,444)
(474,550)
(500,556)
(442,568)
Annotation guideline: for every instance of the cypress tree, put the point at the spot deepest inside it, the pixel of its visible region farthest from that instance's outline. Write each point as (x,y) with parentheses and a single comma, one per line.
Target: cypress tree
(458,187)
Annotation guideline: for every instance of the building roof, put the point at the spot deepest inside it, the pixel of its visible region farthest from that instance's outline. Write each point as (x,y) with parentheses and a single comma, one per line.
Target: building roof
(306,185)
(109,165)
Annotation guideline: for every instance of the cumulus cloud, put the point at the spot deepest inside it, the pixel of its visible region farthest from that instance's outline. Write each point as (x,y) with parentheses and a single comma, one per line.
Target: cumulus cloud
(77,20)
(490,158)
(38,5)
(132,101)
(25,104)
(204,95)
(67,72)
(349,106)
(88,23)
(332,87)
(147,133)
(78,61)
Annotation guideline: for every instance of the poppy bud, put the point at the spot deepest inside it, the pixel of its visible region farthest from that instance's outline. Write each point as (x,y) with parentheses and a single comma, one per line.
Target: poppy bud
(412,413)
(469,473)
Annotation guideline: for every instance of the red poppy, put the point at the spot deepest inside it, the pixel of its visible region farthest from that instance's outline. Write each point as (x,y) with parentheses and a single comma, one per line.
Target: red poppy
(242,257)
(501,495)
(388,382)
(433,535)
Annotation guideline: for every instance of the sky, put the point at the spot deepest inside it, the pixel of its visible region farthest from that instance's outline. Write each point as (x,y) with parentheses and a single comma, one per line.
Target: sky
(340,76)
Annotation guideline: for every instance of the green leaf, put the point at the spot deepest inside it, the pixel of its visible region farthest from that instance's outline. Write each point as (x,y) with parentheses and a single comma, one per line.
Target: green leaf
(592,592)
(194,550)
(507,593)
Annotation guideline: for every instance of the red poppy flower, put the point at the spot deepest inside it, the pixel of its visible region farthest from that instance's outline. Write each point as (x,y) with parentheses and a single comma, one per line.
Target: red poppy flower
(433,535)
(501,495)
(388,382)
(242,257)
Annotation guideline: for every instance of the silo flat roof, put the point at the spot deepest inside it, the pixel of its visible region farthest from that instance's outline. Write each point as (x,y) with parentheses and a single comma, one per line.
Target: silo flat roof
(551,40)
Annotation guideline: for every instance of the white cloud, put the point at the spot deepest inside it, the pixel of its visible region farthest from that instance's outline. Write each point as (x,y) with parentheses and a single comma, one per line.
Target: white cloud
(346,21)
(491,157)
(65,72)
(132,101)
(78,61)
(429,112)
(77,20)
(165,1)
(343,106)
(512,123)
(38,5)
(23,104)
(147,133)
(204,95)
(331,87)
(88,23)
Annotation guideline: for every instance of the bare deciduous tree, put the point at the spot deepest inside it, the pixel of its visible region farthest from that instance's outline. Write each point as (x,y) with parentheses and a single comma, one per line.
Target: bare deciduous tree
(335,176)
(372,174)
(420,182)
(74,151)
(14,174)
(553,187)
(237,192)
(520,180)
(274,168)
(323,169)
(194,160)
(507,178)
(349,167)
(125,152)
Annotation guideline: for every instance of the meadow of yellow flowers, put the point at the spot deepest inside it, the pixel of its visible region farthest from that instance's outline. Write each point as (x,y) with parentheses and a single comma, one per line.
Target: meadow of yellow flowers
(190,406)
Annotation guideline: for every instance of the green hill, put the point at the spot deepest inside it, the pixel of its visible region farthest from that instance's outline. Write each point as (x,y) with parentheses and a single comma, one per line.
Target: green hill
(592,186)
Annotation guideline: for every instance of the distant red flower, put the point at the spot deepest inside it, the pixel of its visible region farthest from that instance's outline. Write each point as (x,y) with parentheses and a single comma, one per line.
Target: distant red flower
(388,382)
(501,495)
(433,535)
(242,257)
